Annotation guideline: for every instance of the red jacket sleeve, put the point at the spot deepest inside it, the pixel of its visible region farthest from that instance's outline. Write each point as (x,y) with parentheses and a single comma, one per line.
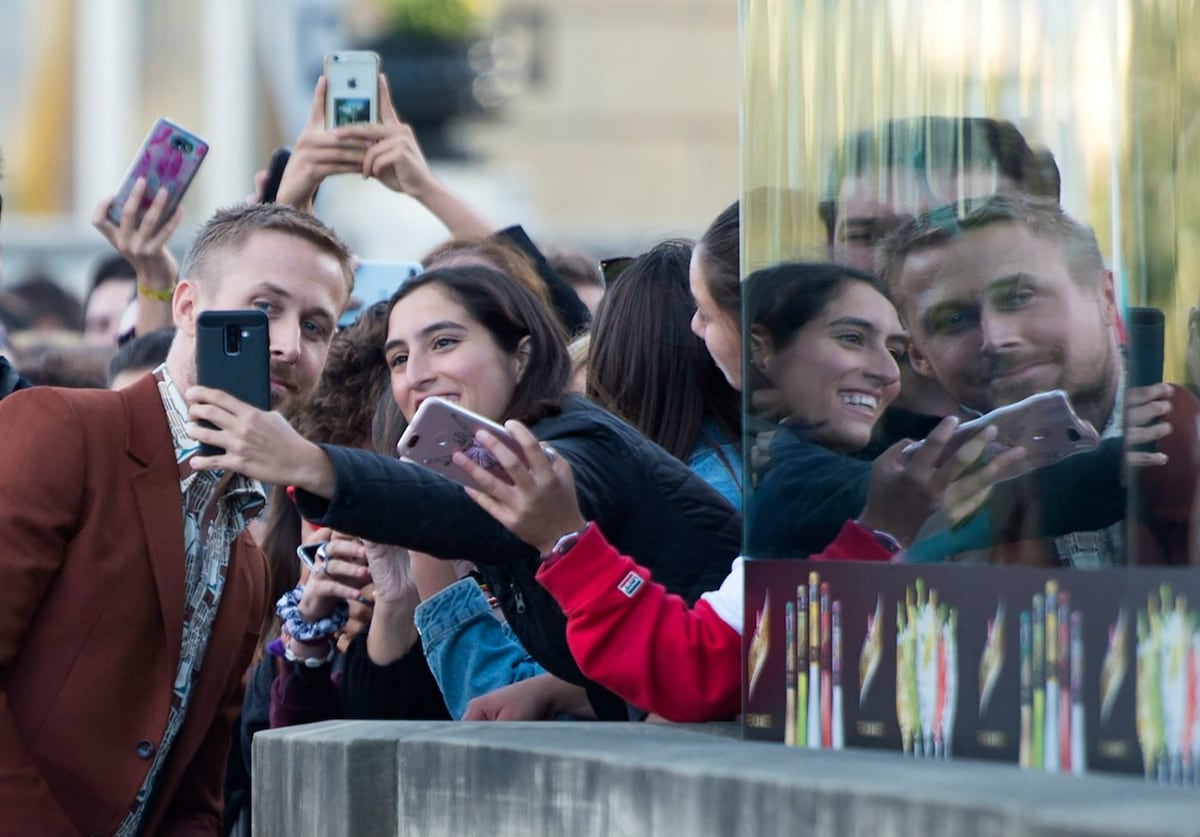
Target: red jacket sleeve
(854,543)
(634,638)
(646,645)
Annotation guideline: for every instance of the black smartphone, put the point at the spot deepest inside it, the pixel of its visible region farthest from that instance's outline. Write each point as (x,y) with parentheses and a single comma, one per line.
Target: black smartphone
(1145,327)
(1144,355)
(233,353)
(275,166)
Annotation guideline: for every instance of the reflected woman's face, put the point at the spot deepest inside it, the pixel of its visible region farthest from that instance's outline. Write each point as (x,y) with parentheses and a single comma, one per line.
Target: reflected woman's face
(839,371)
(435,347)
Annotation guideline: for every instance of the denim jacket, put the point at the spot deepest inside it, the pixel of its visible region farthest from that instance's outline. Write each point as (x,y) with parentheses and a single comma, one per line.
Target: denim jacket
(469,650)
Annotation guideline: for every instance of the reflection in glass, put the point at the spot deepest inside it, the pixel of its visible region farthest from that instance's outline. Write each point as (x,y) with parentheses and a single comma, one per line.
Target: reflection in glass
(1016,173)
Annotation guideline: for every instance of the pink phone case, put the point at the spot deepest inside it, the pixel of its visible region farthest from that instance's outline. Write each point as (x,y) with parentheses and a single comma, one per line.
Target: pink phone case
(439,428)
(169,158)
(1044,424)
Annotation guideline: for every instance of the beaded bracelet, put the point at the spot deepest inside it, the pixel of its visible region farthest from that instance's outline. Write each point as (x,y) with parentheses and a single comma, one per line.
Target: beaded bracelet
(160,294)
(288,609)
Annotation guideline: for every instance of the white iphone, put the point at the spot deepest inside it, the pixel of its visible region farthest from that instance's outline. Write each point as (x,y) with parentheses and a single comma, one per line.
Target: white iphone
(351,87)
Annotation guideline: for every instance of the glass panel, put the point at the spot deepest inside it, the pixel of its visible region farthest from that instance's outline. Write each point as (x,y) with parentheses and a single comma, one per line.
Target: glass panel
(1022,176)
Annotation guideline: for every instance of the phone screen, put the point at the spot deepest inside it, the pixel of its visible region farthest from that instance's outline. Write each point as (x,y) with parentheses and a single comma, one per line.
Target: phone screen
(374,282)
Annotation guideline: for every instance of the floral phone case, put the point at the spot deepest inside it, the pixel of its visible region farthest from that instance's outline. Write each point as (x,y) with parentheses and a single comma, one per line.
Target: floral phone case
(169,158)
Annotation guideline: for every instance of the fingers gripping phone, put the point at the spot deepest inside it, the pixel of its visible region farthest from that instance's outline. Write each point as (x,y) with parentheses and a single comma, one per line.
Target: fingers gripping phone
(169,158)
(351,88)
(1044,424)
(439,428)
(233,350)
(376,281)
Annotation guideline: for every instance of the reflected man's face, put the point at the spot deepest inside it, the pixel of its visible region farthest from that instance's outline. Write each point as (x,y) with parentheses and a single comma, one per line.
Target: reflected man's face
(871,205)
(996,316)
(1193,347)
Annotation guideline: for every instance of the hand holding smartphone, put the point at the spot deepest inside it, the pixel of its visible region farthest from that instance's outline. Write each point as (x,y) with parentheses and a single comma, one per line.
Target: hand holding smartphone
(1044,424)
(169,158)
(233,355)
(439,428)
(351,88)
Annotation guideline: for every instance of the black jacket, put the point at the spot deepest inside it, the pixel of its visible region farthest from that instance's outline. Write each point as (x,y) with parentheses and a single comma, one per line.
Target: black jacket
(804,495)
(650,506)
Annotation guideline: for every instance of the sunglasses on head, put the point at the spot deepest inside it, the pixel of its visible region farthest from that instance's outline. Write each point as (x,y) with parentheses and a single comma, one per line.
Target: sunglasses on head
(610,269)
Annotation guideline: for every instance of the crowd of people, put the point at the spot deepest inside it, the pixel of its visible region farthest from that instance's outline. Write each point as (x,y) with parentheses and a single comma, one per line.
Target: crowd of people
(157,612)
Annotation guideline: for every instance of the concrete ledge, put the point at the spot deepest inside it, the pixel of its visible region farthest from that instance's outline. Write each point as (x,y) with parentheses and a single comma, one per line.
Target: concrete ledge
(430,779)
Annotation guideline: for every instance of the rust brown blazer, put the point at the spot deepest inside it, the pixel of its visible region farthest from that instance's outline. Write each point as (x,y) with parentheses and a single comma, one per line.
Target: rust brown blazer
(91,620)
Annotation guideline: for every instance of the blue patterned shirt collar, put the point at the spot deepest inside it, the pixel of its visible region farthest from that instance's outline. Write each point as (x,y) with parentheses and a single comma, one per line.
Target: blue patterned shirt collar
(252,496)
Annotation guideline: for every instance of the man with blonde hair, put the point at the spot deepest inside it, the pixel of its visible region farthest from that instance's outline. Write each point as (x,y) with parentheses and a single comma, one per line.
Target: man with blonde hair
(133,597)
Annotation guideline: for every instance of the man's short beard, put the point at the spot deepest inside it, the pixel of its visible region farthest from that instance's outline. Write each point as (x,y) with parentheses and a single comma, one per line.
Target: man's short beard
(1096,403)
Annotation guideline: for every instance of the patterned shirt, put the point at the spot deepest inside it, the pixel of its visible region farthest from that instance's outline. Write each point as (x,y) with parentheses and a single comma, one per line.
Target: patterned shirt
(216,509)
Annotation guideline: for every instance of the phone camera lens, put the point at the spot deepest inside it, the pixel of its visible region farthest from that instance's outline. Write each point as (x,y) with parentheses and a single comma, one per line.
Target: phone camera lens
(233,340)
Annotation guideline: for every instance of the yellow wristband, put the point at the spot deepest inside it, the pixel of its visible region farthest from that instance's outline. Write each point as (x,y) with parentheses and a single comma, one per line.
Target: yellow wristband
(161,294)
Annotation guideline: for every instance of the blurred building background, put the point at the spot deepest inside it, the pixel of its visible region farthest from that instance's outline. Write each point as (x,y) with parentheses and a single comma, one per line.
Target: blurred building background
(602,125)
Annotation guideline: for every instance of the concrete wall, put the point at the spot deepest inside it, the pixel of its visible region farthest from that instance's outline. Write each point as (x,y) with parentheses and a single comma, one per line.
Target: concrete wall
(495,780)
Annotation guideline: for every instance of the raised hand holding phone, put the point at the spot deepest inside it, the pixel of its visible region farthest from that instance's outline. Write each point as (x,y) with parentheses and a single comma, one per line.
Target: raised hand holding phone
(142,240)
(145,212)
(395,159)
(317,154)
(540,505)
(168,160)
